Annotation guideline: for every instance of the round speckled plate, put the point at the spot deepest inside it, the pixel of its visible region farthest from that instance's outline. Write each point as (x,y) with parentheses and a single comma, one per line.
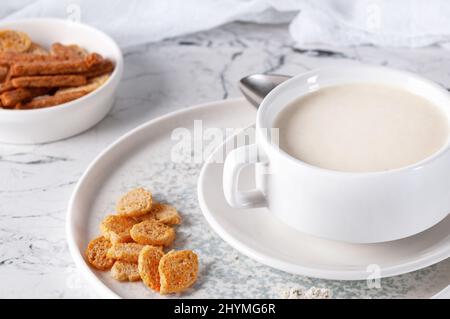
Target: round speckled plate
(144,157)
(153,156)
(259,235)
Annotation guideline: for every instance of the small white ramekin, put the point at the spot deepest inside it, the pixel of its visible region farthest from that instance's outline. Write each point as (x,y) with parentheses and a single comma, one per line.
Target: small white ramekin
(68,119)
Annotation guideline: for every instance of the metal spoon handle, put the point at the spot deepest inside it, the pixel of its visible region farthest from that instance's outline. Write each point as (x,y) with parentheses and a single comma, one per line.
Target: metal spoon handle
(255,87)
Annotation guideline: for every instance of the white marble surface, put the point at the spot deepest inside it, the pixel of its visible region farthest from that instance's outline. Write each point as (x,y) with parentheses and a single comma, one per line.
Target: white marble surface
(36,181)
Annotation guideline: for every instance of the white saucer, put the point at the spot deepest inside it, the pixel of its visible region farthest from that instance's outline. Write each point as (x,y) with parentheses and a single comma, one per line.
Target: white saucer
(259,235)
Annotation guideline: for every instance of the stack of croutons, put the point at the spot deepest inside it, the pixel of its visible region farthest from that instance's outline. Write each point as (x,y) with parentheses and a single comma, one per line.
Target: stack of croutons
(133,244)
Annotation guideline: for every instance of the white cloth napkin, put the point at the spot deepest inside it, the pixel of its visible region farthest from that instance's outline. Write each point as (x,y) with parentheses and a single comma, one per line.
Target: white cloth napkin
(399,23)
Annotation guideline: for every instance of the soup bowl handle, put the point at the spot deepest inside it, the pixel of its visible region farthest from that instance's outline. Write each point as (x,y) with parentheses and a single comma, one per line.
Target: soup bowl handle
(234,163)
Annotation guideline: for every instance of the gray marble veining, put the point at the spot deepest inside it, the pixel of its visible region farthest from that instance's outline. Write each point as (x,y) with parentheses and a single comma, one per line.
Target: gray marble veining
(36,181)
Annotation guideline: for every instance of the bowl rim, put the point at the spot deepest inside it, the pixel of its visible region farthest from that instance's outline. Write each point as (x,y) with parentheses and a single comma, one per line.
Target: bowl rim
(117,72)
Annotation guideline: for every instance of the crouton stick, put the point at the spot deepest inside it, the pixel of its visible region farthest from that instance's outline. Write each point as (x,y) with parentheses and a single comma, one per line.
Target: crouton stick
(13,97)
(50,100)
(71,51)
(3,73)
(49,81)
(6,86)
(93,59)
(48,68)
(56,67)
(103,68)
(8,58)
